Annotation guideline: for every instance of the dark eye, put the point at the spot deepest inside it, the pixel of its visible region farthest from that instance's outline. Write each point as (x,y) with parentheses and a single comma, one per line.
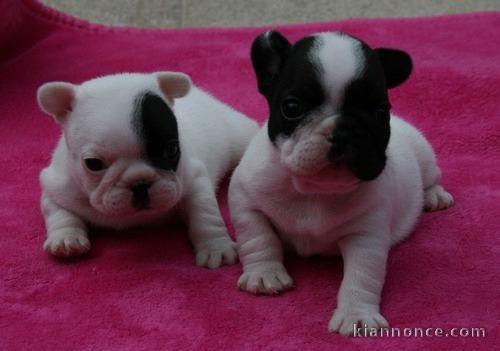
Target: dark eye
(291,108)
(171,151)
(94,164)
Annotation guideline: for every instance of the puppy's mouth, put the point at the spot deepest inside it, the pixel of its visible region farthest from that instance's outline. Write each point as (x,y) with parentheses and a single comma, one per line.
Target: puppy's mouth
(334,178)
(312,172)
(140,198)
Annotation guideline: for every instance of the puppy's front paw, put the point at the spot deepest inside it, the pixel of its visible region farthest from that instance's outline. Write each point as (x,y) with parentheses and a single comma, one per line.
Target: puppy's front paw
(345,321)
(265,278)
(436,198)
(215,253)
(67,242)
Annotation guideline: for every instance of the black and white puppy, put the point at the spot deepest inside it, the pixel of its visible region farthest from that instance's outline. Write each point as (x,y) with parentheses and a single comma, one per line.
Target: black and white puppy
(134,148)
(332,170)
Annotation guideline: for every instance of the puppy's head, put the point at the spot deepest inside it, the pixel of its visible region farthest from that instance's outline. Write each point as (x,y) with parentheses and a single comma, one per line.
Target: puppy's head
(329,106)
(122,139)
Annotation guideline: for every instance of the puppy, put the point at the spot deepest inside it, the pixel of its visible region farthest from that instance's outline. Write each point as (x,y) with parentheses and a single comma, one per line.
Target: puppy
(128,156)
(331,171)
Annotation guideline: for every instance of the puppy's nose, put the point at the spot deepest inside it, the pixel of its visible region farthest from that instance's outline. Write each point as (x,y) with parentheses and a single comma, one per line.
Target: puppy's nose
(140,192)
(338,149)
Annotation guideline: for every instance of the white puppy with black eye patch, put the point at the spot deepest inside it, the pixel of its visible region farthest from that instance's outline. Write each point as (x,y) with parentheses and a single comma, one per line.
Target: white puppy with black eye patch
(128,156)
(331,171)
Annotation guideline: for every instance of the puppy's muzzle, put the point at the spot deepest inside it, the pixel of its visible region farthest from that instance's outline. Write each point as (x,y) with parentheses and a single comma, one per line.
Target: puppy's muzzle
(140,191)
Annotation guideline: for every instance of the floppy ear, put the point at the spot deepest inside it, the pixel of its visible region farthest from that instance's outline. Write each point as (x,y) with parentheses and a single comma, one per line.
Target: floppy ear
(269,51)
(173,84)
(56,99)
(397,65)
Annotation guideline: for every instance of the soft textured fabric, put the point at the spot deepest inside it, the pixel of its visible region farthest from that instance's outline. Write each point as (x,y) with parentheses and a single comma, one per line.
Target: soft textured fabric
(140,289)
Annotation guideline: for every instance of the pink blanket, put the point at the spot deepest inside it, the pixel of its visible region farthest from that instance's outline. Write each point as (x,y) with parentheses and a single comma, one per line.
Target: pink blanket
(140,289)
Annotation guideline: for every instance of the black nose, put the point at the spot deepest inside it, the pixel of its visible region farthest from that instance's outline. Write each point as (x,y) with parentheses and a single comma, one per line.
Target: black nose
(140,192)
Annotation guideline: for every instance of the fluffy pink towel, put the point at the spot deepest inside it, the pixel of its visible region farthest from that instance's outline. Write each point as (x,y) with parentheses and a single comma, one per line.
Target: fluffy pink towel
(140,289)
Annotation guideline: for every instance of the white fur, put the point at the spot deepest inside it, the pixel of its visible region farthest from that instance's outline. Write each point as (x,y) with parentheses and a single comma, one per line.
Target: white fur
(290,194)
(98,124)
(340,60)
(361,221)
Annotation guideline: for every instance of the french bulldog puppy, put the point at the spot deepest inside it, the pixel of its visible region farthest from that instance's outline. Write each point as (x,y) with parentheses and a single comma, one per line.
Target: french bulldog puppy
(332,171)
(134,148)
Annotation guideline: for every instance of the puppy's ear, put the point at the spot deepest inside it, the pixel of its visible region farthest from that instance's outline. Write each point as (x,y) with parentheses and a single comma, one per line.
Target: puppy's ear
(57,99)
(173,84)
(397,65)
(269,51)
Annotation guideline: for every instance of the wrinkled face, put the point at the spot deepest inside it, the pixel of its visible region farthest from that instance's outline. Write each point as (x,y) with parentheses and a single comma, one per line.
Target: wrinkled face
(124,145)
(329,107)
(127,161)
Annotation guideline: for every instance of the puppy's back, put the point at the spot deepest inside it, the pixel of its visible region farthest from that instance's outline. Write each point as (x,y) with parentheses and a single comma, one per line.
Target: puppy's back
(204,121)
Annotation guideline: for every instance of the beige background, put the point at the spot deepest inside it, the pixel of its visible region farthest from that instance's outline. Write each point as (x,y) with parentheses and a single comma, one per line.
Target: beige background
(189,13)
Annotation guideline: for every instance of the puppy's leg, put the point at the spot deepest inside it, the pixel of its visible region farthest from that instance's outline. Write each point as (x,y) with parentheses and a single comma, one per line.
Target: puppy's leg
(66,233)
(359,294)
(261,254)
(208,234)
(435,197)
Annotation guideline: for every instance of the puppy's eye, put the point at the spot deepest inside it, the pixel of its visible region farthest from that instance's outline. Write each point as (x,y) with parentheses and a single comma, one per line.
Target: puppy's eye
(94,164)
(172,150)
(291,108)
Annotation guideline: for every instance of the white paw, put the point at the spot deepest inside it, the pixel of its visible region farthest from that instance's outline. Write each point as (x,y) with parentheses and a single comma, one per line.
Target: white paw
(67,242)
(436,198)
(344,321)
(216,252)
(265,278)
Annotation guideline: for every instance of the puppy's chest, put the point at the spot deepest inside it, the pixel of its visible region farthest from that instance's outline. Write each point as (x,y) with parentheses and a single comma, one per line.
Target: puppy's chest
(310,225)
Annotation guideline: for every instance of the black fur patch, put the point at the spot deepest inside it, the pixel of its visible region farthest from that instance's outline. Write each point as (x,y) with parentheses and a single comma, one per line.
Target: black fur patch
(156,126)
(285,71)
(362,131)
